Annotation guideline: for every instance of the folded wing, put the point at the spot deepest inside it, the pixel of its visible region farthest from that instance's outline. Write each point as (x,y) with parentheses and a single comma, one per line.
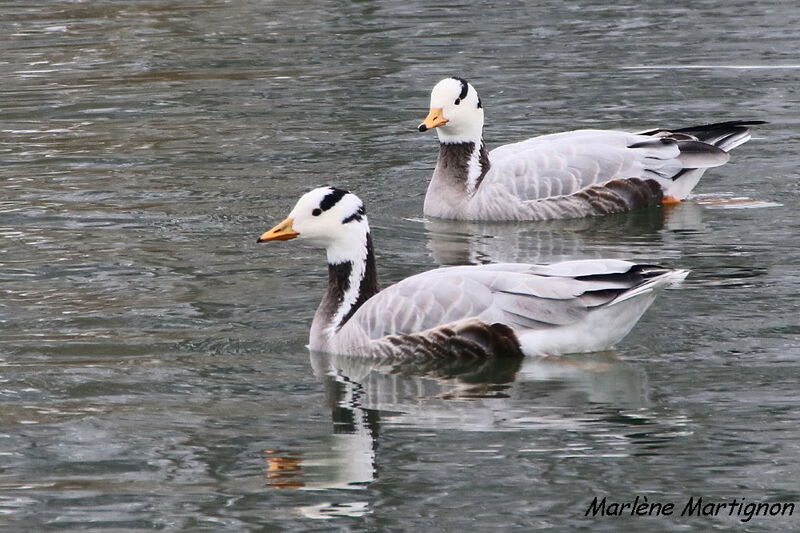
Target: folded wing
(565,163)
(523,297)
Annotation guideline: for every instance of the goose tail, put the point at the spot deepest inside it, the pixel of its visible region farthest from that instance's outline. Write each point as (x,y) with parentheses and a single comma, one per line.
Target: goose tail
(724,135)
(655,278)
(702,147)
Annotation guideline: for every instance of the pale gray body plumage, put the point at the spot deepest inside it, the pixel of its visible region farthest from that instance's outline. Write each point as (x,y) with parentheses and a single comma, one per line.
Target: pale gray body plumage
(538,179)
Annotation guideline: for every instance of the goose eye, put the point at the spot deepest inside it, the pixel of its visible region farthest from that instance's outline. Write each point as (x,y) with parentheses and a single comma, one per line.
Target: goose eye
(316,212)
(458,101)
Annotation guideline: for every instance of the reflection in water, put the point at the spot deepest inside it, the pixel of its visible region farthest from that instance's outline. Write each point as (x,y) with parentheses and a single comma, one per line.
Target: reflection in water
(282,470)
(730,201)
(625,235)
(349,463)
(595,394)
(329,510)
(601,378)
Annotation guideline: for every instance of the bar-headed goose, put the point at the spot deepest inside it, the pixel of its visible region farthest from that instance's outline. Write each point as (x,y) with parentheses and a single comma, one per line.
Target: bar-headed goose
(495,309)
(564,175)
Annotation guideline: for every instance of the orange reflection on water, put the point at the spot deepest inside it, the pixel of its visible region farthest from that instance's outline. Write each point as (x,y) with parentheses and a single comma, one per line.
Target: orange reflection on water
(282,470)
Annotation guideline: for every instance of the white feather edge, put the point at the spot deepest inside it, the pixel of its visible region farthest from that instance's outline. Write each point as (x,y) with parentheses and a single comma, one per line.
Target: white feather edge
(667,279)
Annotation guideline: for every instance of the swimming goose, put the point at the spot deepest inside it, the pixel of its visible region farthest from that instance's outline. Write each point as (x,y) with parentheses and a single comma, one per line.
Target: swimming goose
(562,175)
(470,311)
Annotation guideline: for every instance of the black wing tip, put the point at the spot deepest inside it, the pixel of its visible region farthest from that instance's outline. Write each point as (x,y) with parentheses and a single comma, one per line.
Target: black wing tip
(722,125)
(636,273)
(713,126)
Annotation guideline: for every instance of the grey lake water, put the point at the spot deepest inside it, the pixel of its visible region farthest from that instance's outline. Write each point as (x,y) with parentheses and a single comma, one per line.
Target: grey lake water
(153,369)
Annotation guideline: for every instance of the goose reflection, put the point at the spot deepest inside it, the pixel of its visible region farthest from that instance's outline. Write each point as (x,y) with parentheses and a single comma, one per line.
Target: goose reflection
(422,393)
(367,397)
(357,389)
(626,235)
(347,457)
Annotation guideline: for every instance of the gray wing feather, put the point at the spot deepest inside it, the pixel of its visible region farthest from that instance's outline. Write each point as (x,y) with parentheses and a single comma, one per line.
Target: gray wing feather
(564,163)
(520,296)
(571,269)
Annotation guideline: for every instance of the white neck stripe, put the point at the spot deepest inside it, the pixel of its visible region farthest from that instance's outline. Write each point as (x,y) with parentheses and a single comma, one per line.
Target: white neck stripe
(358,268)
(474,169)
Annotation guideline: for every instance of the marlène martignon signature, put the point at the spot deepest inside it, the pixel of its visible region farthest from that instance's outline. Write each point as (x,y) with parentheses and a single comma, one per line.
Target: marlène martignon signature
(641,506)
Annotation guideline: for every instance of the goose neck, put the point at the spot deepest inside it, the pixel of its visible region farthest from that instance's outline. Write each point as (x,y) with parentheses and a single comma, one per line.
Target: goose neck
(464,164)
(351,282)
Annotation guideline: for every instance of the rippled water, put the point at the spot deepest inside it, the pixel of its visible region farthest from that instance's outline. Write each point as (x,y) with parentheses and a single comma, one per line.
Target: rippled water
(153,373)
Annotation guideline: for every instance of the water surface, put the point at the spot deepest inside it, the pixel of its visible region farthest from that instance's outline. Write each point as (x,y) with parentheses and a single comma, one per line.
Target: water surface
(153,370)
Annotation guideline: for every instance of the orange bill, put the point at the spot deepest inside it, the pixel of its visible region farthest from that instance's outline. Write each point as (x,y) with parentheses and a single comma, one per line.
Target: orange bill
(434,119)
(281,232)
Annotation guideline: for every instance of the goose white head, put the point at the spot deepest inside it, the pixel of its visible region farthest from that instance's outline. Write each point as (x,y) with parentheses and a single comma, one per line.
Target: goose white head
(456,111)
(332,218)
